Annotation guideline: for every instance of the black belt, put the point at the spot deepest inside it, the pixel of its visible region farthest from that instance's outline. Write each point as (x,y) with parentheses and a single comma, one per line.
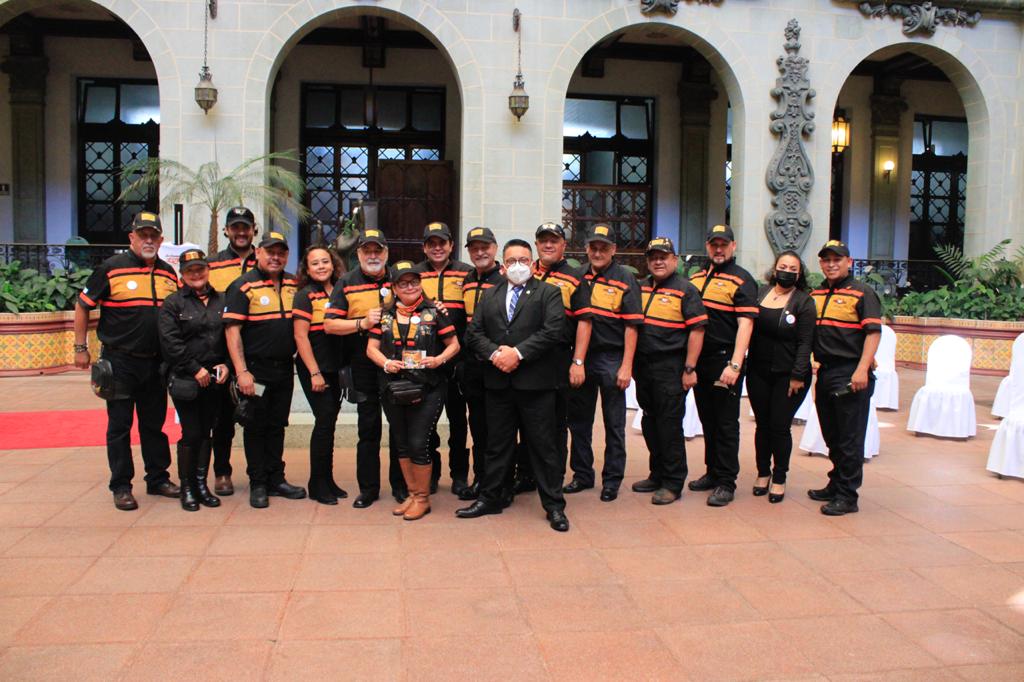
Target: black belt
(131,353)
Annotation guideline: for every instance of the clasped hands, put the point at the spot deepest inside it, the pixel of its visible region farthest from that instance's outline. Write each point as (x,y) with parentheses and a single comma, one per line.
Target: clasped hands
(506,359)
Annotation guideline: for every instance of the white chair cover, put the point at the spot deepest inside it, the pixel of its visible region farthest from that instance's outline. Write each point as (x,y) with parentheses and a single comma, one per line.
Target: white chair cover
(1001,405)
(803,413)
(1006,456)
(631,402)
(813,442)
(691,421)
(887,381)
(944,406)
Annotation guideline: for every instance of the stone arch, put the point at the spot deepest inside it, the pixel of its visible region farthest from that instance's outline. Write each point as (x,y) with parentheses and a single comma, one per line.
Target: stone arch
(708,38)
(289,29)
(979,93)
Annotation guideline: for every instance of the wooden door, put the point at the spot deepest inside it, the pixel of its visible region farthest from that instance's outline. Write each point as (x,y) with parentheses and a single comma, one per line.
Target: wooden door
(409,195)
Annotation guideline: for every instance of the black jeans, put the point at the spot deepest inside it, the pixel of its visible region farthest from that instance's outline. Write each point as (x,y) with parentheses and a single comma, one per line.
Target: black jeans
(370,427)
(472,383)
(264,438)
(458,453)
(199,417)
(140,379)
(532,414)
(223,435)
(659,390)
(325,405)
(844,422)
(601,370)
(719,410)
(773,412)
(410,426)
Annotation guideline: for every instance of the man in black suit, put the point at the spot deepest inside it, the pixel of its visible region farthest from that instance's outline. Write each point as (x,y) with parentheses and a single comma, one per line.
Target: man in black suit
(517,327)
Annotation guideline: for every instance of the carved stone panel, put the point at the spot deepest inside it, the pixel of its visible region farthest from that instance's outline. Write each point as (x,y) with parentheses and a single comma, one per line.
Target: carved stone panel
(922,17)
(789,175)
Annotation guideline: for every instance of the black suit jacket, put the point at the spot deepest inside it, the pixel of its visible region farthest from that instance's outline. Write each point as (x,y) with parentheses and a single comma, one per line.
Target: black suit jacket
(536,329)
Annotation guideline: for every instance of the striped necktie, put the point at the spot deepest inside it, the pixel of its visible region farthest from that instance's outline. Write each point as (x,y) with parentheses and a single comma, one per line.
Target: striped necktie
(516,291)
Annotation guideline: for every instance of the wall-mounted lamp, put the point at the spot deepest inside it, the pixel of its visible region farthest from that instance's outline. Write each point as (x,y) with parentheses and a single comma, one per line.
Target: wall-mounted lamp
(888,166)
(840,134)
(518,101)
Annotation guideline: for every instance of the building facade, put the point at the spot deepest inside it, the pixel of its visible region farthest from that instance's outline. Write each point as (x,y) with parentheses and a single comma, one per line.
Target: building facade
(662,117)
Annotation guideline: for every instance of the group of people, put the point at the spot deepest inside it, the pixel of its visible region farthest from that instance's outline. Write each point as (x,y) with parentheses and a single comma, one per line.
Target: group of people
(515,348)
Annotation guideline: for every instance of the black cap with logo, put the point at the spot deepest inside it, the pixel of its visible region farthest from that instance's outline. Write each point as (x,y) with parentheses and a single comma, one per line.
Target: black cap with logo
(144,219)
(721,232)
(834,246)
(480,234)
(239,214)
(273,238)
(663,244)
(437,230)
(372,235)
(403,268)
(190,258)
(601,233)
(550,228)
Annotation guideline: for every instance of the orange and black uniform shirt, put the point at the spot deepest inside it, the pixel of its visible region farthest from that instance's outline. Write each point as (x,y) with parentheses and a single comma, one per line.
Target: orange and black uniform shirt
(474,286)
(567,279)
(729,293)
(672,308)
(129,294)
(311,305)
(446,286)
(426,330)
(611,298)
(265,314)
(847,312)
(227,266)
(354,296)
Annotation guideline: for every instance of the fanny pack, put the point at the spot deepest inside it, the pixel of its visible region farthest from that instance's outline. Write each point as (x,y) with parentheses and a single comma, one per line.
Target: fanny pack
(403,392)
(102,379)
(182,388)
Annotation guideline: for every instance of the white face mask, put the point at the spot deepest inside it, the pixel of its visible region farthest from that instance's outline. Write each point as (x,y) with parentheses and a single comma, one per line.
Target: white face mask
(518,273)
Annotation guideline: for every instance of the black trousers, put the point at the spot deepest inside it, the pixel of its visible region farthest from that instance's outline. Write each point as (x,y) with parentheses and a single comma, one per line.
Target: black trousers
(223,434)
(199,417)
(844,423)
(325,405)
(719,410)
(659,391)
(532,414)
(370,427)
(601,369)
(410,426)
(773,412)
(472,384)
(264,438)
(138,378)
(458,453)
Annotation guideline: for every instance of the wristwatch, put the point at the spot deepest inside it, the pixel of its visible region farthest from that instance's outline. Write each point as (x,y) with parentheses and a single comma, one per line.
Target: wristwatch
(734,366)
(577,362)
(689,369)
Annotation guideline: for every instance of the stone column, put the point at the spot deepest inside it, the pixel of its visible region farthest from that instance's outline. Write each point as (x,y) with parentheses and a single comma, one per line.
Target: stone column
(886,108)
(27,67)
(695,97)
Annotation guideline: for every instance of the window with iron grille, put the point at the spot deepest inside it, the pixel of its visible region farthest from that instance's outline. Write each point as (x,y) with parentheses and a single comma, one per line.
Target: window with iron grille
(938,185)
(348,129)
(118,122)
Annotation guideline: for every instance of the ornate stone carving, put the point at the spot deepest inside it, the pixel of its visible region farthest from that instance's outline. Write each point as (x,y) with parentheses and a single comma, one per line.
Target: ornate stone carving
(789,175)
(669,7)
(924,17)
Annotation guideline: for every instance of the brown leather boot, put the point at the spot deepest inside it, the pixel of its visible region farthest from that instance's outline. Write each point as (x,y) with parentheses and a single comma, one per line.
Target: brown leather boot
(406,464)
(420,496)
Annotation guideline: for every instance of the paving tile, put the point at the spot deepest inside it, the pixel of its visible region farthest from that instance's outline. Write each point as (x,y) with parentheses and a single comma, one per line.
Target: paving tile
(698,600)
(83,514)
(713,529)
(244,574)
(166,512)
(15,472)
(579,608)
(464,611)
(751,559)
(735,651)
(847,554)
(339,615)
(921,675)
(65,542)
(217,617)
(34,491)
(10,537)
(343,659)
(923,550)
(793,524)
(448,535)
(250,540)
(784,598)
(607,656)
(95,619)
(133,575)
(457,568)
(998,546)
(658,563)
(628,533)
(961,637)
(894,590)
(28,514)
(353,539)
(942,518)
(977,585)
(484,658)
(280,512)
(210,661)
(558,567)
(40,576)
(995,672)
(162,541)
(877,522)
(17,611)
(333,572)
(65,662)
(1011,616)
(966,495)
(1004,516)
(531,530)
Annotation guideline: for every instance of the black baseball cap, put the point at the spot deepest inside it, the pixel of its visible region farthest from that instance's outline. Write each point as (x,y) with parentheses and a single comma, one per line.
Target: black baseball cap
(372,235)
(661,244)
(601,233)
(721,232)
(148,219)
(191,257)
(437,230)
(239,214)
(481,234)
(550,228)
(403,268)
(273,238)
(836,247)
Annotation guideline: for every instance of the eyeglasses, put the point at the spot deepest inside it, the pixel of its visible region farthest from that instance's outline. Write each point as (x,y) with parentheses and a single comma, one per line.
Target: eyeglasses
(407,284)
(521,261)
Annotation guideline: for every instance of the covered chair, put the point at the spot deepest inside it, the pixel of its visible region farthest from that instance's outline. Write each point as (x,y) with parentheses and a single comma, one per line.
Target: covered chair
(887,381)
(1001,405)
(944,406)
(691,421)
(1006,456)
(813,442)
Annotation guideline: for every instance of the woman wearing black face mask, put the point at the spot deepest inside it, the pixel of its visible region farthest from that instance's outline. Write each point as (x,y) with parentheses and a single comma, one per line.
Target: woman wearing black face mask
(779,369)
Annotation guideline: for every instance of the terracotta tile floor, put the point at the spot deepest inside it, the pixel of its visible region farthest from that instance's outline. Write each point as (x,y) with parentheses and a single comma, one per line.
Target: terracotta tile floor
(925,583)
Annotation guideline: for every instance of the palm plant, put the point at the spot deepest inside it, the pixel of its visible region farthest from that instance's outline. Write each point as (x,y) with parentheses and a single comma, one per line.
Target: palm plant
(257,181)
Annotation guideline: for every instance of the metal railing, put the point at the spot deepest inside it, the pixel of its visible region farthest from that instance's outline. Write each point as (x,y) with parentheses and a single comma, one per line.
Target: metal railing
(47,258)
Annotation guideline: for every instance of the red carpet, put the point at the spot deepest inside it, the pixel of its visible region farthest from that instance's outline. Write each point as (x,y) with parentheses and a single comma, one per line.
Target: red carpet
(62,429)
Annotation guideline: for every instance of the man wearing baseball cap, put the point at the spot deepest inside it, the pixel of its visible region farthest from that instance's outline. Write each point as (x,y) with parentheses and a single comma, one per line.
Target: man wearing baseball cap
(129,289)
(441,277)
(848,330)
(730,297)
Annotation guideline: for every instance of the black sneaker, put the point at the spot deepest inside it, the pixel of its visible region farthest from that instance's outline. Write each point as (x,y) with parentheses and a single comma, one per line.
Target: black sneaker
(648,485)
(701,484)
(822,494)
(839,508)
(720,497)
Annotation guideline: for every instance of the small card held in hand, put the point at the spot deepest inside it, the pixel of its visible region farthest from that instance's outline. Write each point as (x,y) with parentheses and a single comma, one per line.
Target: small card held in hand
(413,359)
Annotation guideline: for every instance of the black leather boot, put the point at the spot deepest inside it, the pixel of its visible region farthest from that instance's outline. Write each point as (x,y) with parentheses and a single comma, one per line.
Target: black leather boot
(206,498)
(187,475)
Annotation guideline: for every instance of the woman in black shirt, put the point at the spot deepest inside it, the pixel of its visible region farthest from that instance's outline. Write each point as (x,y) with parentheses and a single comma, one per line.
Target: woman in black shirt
(317,366)
(195,355)
(413,340)
(779,368)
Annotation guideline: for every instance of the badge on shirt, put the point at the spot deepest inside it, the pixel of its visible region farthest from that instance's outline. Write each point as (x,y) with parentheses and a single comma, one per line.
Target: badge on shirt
(264,300)
(384,291)
(663,299)
(790,318)
(427,317)
(415,319)
(132,284)
(609,290)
